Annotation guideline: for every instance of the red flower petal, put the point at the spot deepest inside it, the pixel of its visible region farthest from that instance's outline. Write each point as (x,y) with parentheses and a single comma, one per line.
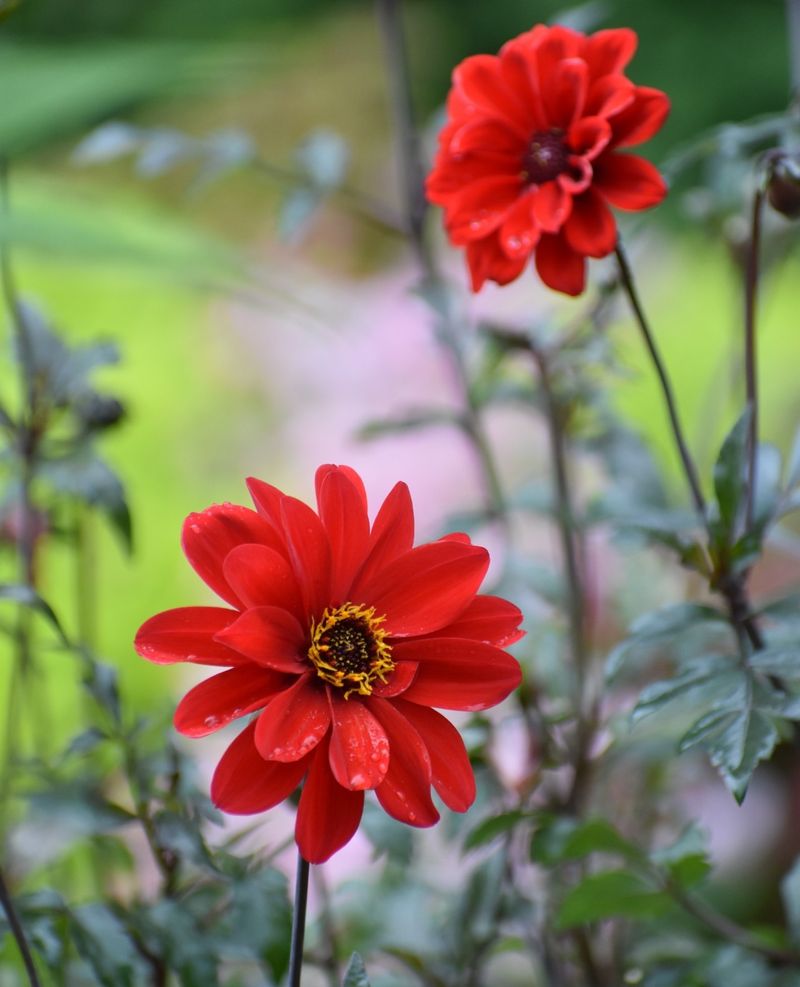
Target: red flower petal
(609,95)
(451,772)
(559,266)
(210,535)
(428,587)
(309,553)
(328,815)
(642,118)
(268,500)
(481,207)
(479,79)
(610,50)
(589,136)
(551,206)
(564,95)
(591,229)
(488,262)
(578,176)
(260,576)
(405,792)
(629,182)
(451,175)
(399,680)
(344,517)
(458,674)
(244,782)
(268,636)
(489,619)
(347,471)
(478,135)
(518,66)
(392,535)
(519,233)
(359,748)
(187,634)
(226,696)
(294,722)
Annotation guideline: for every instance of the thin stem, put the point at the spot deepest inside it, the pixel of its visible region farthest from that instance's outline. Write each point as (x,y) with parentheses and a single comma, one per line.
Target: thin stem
(666,387)
(415,208)
(18,932)
(750,368)
(793,32)
(329,929)
(298,921)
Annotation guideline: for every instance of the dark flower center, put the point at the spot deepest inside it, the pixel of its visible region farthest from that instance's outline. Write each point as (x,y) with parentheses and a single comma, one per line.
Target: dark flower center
(349,648)
(545,158)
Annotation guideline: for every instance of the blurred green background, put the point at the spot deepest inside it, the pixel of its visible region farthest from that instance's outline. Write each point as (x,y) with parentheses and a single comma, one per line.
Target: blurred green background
(144,261)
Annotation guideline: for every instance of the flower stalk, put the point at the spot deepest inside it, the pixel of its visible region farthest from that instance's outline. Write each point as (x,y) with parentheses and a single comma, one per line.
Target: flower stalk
(18,933)
(750,365)
(298,921)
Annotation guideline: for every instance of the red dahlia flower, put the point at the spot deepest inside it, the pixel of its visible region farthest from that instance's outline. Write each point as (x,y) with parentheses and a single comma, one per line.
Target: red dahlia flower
(342,637)
(529,160)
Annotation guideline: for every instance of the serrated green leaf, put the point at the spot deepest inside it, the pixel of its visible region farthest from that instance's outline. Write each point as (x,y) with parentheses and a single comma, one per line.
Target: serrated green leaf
(609,894)
(259,917)
(103,941)
(729,474)
(356,973)
(686,860)
(494,826)
(713,679)
(781,661)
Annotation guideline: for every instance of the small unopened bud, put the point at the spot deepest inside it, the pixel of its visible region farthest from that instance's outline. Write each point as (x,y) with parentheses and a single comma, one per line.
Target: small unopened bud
(783,184)
(98,411)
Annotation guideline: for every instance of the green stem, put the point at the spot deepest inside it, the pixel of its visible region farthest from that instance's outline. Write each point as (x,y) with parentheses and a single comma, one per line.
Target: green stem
(750,367)
(18,932)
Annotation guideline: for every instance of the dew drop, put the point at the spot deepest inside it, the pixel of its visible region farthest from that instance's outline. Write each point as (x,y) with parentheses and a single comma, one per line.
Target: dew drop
(358,780)
(412,817)
(191,657)
(211,721)
(513,243)
(195,528)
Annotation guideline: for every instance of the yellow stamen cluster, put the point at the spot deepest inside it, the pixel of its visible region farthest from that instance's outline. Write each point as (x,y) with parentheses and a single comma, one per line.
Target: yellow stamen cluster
(349,648)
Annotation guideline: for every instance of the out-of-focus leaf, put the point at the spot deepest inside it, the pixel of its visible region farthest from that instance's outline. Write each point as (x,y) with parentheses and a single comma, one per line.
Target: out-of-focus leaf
(102,940)
(608,894)
(190,952)
(106,143)
(8,7)
(296,212)
(356,974)
(182,838)
(652,628)
(790,893)
(598,836)
(102,683)
(780,661)
(729,474)
(388,836)
(686,860)
(323,157)
(84,742)
(26,596)
(713,678)
(767,492)
(493,827)
(412,420)
(259,918)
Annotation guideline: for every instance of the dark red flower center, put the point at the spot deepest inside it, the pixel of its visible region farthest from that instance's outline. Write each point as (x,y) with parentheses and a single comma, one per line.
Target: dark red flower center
(545,158)
(349,648)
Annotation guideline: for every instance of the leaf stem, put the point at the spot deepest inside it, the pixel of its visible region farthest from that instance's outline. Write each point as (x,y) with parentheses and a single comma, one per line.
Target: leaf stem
(750,367)
(666,387)
(298,921)
(18,932)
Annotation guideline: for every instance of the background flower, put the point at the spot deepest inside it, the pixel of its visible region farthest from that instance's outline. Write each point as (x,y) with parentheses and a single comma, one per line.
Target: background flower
(531,157)
(342,637)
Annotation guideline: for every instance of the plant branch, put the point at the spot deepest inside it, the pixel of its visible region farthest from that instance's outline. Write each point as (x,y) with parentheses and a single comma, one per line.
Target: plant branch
(750,365)
(666,387)
(415,208)
(298,921)
(18,932)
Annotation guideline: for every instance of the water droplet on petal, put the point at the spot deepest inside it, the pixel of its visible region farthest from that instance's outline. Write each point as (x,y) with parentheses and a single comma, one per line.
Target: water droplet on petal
(195,528)
(211,721)
(513,243)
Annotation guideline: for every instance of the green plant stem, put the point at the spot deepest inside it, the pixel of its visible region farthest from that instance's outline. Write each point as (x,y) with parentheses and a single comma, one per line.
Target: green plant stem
(18,932)
(689,468)
(415,208)
(793,34)
(298,921)
(750,365)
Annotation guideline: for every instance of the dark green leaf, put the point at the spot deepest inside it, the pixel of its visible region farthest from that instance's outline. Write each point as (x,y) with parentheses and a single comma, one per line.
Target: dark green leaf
(189,949)
(713,679)
(729,474)
(598,836)
(781,661)
(412,420)
(101,681)
(686,860)
(356,974)
(608,894)
(767,492)
(259,917)
(102,940)
(495,826)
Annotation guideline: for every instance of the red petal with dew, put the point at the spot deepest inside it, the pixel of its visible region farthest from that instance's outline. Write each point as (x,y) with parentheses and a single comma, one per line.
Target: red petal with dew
(268,500)
(260,576)
(405,792)
(519,232)
(309,553)
(210,535)
(591,229)
(489,619)
(187,634)
(451,771)
(214,703)
(294,722)
(328,815)
(244,782)
(268,636)
(392,535)
(428,587)
(487,261)
(551,206)
(457,674)
(398,681)
(481,207)
(359,748)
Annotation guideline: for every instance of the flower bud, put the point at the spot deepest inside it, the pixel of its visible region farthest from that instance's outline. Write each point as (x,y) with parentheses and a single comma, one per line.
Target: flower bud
(783,184)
